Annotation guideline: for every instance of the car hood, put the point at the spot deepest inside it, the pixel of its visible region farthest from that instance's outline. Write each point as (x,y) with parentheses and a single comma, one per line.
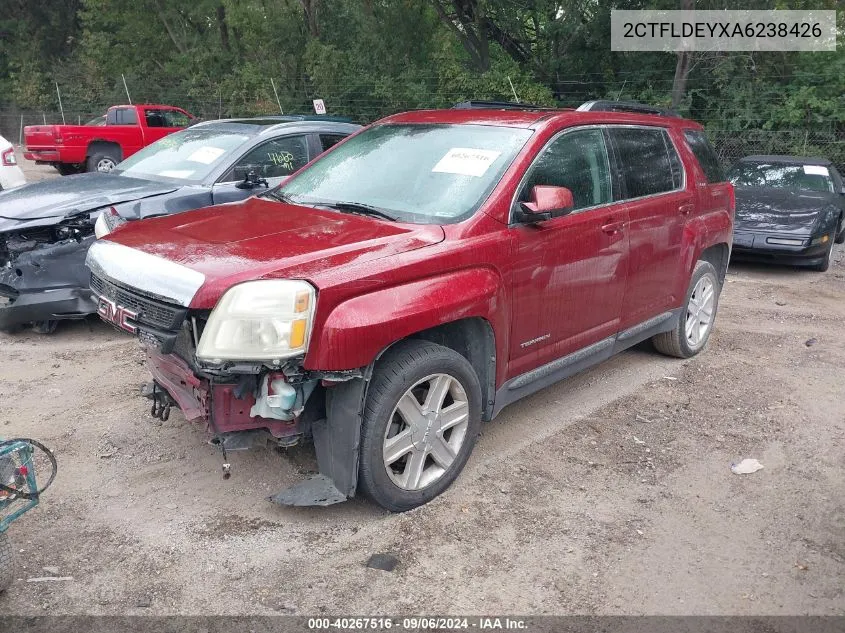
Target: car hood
(263,239)
(779,210)
(49,201)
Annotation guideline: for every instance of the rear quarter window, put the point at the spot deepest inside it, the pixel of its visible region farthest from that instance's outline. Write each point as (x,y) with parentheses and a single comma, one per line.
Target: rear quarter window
(649,162)
(705,155)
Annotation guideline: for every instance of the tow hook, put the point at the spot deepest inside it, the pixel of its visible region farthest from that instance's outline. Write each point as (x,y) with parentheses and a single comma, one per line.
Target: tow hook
(161,403)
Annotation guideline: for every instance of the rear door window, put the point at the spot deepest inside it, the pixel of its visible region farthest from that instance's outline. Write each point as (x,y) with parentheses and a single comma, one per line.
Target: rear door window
(706,156)
(577,160)
(156,117)
(274,159)
(650,164)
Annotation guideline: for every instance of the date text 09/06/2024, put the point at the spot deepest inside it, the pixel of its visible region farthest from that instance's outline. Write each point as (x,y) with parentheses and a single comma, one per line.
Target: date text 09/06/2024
(417,623)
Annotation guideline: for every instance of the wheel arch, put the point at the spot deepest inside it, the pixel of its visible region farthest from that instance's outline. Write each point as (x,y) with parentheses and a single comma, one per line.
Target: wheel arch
(474,339)
(100,144)
(718,255)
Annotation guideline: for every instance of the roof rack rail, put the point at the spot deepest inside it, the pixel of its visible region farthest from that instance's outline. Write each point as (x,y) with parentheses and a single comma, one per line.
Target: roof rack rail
(496,105)
(625,106)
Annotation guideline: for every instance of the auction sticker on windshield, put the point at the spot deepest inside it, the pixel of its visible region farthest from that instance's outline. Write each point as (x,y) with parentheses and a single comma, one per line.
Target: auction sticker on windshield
(466,161)
(816,170)
(206,155)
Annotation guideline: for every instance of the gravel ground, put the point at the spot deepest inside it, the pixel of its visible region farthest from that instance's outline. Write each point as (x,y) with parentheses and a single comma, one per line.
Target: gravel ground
(610,493)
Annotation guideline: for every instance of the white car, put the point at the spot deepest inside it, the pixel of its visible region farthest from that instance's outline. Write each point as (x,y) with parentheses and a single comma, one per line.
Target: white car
(10,174)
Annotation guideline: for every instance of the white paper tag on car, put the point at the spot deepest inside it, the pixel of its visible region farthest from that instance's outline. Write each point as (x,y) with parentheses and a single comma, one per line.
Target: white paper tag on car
(466,161)
(206,155)
(177,173)
(816,170)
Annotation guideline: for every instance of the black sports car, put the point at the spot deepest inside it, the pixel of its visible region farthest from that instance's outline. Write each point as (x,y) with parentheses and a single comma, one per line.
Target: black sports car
(788,209)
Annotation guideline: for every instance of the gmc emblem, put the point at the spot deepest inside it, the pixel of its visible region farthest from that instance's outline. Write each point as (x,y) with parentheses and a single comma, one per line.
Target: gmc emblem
(117,315)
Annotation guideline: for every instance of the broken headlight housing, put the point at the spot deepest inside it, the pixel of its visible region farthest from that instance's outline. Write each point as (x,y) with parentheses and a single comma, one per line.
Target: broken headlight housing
(107,222)
(265,320)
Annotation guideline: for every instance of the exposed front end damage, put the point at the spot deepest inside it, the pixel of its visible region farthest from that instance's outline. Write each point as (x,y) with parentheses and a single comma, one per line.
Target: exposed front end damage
(43,277)
(244,405)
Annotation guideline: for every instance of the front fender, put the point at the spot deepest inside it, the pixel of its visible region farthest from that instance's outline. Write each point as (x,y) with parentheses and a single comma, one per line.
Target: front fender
(358,330)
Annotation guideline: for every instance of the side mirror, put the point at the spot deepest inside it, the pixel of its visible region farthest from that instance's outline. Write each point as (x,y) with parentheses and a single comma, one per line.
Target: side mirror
(251,181)
(546,202)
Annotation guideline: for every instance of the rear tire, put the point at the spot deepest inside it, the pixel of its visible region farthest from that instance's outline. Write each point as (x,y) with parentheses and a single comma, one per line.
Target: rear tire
(421,421)
(7,563)
(691,334)
(103,159)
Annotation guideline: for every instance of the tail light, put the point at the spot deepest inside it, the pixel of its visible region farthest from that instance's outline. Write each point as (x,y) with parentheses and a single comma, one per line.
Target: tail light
(8,157)
(733,197)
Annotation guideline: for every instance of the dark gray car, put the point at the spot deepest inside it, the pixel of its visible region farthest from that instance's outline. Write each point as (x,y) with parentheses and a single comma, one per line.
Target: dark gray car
(789,209)
(47,227)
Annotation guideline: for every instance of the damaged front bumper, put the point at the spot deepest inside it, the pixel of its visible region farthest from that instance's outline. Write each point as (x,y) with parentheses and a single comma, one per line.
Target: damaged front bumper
(230,406)
(44,281)
(245,404)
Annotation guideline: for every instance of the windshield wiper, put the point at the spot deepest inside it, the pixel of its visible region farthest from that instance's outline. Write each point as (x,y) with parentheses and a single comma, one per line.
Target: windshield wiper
(278,196)
(357,207)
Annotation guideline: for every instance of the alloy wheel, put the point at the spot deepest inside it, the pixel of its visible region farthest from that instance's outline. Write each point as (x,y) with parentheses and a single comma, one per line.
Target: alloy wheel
(105,164)
(699,318)
(427,428)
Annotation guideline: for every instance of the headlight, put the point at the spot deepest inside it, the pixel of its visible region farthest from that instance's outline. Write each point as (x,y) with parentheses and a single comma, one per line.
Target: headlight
(100,227)
(262,320)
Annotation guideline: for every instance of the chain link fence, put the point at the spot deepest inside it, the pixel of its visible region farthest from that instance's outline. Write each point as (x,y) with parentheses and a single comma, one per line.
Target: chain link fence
(730,145)
(733,145)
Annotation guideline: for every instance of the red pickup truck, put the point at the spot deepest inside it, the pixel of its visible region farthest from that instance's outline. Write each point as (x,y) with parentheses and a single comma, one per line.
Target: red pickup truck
(105,141)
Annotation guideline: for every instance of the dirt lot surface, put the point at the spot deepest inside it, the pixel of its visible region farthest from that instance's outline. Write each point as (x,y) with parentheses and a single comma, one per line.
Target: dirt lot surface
(610,493)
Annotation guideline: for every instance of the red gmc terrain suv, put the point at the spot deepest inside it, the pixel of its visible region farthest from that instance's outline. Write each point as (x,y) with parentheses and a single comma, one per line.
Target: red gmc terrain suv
(420,276)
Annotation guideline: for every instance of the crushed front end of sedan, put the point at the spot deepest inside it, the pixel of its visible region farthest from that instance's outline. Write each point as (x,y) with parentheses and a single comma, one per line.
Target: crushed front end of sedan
(42,271)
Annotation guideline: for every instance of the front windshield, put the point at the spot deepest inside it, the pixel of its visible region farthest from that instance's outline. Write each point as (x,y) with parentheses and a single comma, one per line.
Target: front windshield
(782,176)
(189,155)
(426,174)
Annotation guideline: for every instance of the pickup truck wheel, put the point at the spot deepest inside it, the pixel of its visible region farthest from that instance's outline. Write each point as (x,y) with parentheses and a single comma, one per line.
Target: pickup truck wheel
(7,567)
(697,316)
(421,420)
(103,160)
(840,236)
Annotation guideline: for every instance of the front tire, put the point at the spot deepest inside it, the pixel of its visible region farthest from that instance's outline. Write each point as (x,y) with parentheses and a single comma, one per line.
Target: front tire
(823,265)
(697,316)
(421,421)
(45,327)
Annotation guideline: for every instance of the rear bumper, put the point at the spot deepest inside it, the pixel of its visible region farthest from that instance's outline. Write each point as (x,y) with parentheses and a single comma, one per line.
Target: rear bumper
(43,155)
